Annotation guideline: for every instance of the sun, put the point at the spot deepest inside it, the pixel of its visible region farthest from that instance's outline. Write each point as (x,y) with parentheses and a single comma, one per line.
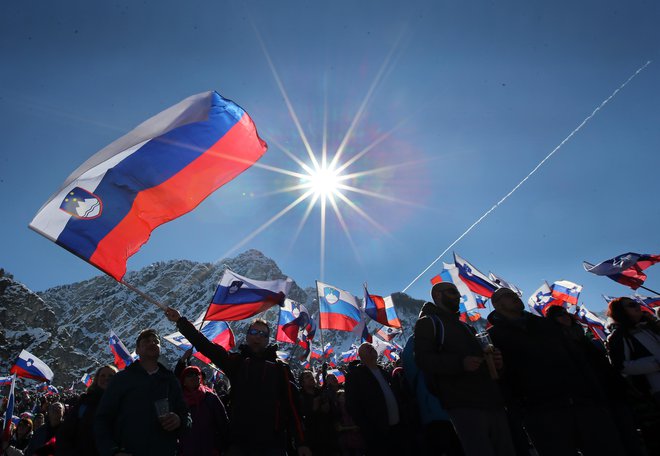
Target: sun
(324,182)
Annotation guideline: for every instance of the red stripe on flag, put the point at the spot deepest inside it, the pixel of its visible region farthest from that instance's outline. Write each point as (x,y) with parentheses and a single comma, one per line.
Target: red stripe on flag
(339,322)
(234,312)
(157,205)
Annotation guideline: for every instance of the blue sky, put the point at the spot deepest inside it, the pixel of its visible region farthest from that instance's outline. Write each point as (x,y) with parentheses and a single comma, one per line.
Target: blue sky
(473,95)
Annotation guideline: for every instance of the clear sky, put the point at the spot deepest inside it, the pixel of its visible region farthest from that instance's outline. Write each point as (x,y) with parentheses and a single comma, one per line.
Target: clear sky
(460,101)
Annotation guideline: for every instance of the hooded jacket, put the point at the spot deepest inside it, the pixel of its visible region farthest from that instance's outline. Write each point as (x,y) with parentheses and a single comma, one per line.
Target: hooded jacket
(263,401)
(440,357)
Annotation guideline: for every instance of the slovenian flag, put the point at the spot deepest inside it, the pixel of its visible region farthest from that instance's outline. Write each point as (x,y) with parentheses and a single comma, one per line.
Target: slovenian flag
(473,278)
(238,297)
(87,380)
(217,332)
(9,411)
(341,378)
(593,322)
(387,333)
(348,356)
(542,299)
(4,381)
(381,309)
(122,356)
(108,207)
(293,319)
(29,366)
(470,300)
(338,309)
(625,269)
(566,291)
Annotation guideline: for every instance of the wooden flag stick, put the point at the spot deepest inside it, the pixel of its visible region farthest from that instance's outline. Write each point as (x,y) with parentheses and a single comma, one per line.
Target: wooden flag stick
(144,295)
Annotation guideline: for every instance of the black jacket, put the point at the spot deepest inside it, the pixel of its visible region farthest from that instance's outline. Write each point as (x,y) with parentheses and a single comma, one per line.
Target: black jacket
(541,368)
(75,435)
(365,400)
(264,402)
(439,353)
(126,418)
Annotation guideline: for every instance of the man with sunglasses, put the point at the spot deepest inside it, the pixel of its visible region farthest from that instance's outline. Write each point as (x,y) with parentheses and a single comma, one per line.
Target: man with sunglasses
(264,418)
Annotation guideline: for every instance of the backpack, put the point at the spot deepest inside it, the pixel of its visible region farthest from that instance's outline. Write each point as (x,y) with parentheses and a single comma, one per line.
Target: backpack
(430,408)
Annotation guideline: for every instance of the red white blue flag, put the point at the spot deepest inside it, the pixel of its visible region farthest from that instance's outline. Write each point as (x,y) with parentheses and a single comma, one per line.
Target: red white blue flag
(123,357)
(381,309)
(625,269)
(29,366)
(87,380)
(593,322)
(217,332)
(293,319)
(542,299)
(566,291)
(238,297)
(470,301)
(341,378)
(350,355)
(475,280)
(387,333)
(338,309)
(9,411)
(4,381)
(108,207)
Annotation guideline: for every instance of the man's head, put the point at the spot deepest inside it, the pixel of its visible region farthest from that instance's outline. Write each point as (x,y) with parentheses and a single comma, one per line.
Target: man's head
(507,303)
(147,345)
(55,413)
(368,355)
(257,336)
(446,295)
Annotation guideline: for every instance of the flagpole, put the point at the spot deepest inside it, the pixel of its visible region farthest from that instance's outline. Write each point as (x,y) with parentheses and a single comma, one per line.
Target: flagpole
(144,295)
(648,289)
(318,299)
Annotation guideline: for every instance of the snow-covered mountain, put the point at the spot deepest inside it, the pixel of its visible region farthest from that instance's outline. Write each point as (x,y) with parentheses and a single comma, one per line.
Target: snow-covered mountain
(67,326)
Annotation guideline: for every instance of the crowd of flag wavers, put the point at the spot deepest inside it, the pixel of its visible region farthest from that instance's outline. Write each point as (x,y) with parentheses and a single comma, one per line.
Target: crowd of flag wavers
(550,380)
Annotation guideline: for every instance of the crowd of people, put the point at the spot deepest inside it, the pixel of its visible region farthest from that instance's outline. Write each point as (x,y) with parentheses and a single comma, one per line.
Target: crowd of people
(530,385)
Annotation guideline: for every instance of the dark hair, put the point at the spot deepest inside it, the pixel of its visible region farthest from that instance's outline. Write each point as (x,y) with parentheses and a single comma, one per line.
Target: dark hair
(146,333)
(617,312)
(259,321)
(555,311)
(95,382)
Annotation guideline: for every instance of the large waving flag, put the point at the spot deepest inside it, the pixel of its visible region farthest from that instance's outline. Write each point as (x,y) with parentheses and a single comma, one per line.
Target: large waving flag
(566,291)
(341,378)
(238,297)
(542,299)
(650,302)
(108,207)
(29,366)
(217,332)
(475,280)
(469,300)
(122,356)
(9,411)
(338,309)
(293,318)
(381,309)
(349,355)
(625,269)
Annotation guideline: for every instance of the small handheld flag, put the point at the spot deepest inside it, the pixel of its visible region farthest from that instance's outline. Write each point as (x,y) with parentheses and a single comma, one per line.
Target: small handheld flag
(338,309)
(381,309)
(123,357)
(542,299)
(566,291)
(238,297)
(217,332)
(9,411)
(475,280)
(29,366)
(87,380)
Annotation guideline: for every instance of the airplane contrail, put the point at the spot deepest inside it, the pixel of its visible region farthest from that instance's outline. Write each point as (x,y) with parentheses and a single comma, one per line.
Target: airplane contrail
(547,157)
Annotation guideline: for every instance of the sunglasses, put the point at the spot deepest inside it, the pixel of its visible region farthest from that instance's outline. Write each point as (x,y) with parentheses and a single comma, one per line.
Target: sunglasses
(257,332)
